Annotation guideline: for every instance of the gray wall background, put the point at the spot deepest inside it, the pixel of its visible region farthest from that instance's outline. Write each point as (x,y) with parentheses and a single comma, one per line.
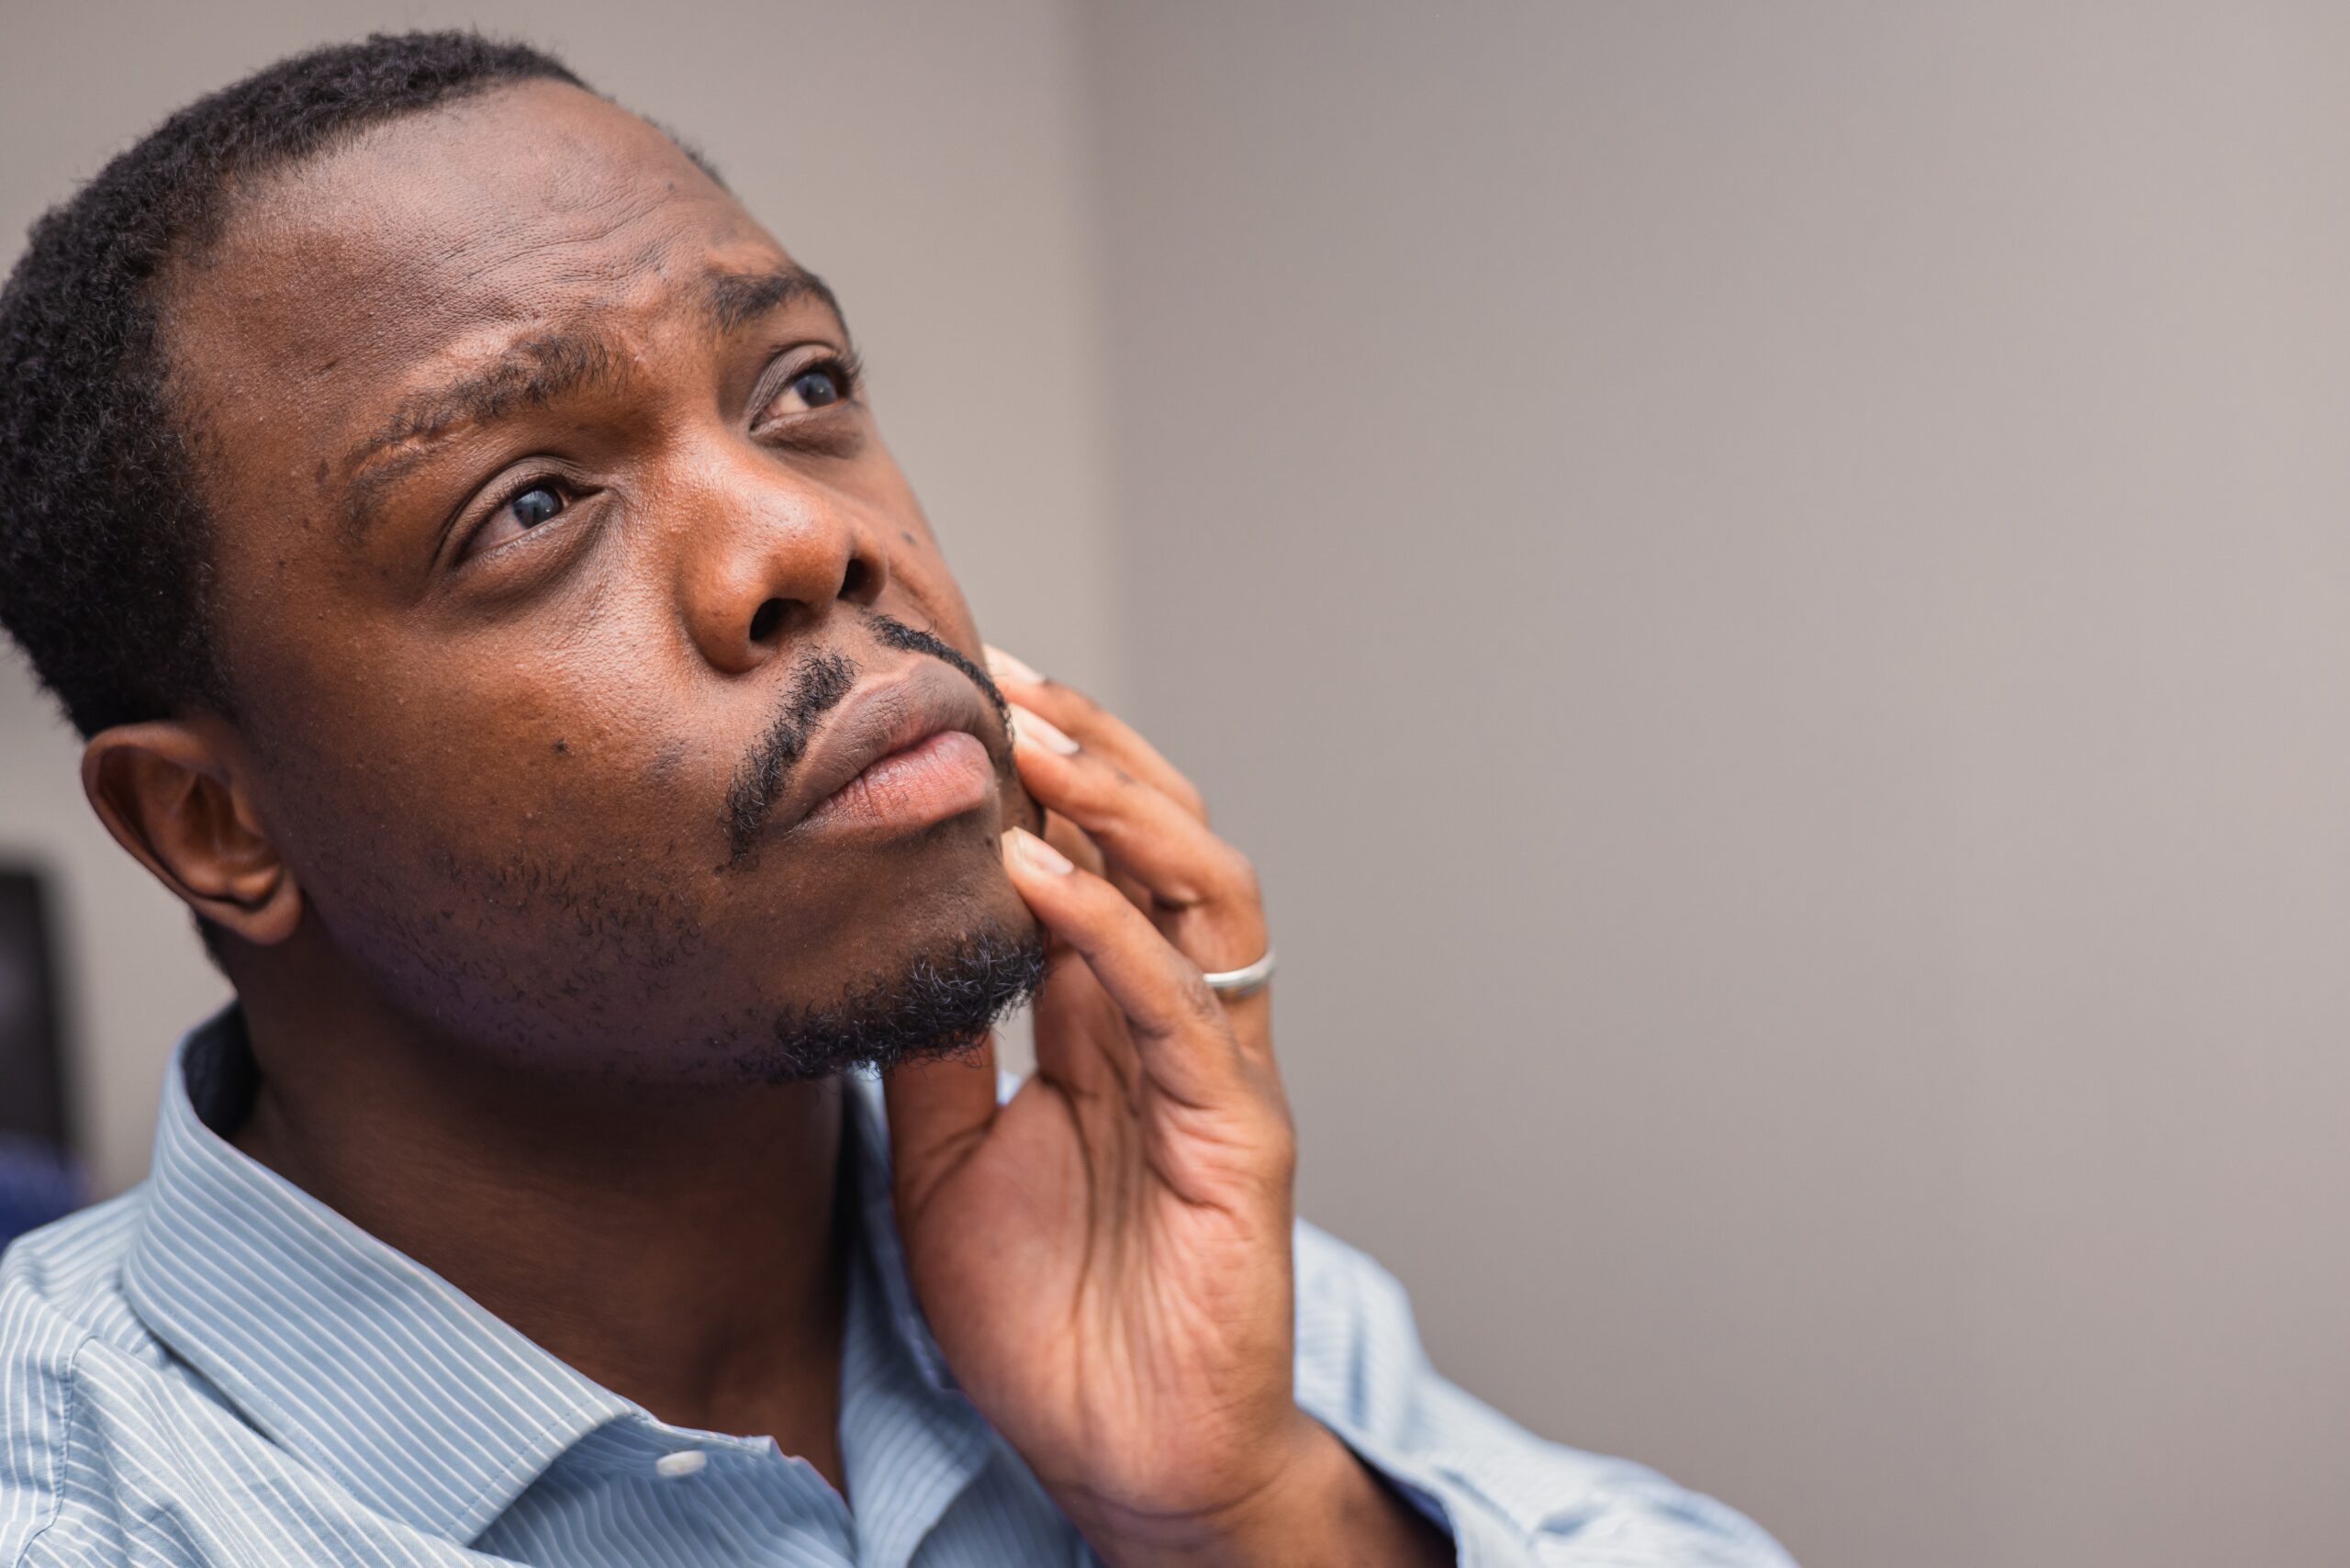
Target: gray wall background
(1768,586)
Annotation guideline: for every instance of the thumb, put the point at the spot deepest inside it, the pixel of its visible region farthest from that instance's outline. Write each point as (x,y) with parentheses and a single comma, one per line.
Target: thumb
(940,1110)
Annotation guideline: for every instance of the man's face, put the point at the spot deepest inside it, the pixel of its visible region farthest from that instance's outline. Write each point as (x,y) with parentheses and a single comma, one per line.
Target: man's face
(562,581)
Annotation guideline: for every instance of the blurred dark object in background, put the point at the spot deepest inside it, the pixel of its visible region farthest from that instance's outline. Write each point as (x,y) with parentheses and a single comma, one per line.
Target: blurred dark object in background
(40,1178)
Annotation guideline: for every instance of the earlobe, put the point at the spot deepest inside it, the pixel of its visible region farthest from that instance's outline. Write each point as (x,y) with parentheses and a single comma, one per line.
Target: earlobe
(169,791)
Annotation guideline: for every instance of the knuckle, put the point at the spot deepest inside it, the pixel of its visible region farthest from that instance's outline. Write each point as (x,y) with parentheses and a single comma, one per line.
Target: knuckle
(1279,1145)
(1099,781)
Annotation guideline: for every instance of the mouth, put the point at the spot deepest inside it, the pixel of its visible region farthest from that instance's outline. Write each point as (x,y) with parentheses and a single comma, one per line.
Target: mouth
(902,752)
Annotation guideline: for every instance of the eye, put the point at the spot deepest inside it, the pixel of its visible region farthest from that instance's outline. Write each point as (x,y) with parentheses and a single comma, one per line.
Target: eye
(814,385)
(536,502)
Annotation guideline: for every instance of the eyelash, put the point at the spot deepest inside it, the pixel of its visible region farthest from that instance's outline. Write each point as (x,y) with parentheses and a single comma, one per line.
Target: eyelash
(521,487)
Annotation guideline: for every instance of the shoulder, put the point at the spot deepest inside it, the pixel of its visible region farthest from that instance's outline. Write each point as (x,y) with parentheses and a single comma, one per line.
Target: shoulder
(41,1342)
(63,1262)
(72,1271)
(60,1297)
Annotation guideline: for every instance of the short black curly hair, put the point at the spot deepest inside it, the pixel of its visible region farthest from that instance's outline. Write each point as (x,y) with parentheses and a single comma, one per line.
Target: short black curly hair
(103,553)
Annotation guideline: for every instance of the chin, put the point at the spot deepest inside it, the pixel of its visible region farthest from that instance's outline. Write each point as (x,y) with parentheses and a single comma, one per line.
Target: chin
(941,995)
(917,956)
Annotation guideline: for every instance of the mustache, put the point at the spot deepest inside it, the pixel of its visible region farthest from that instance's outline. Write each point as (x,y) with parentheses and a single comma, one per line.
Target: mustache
(818,686)
(914,640)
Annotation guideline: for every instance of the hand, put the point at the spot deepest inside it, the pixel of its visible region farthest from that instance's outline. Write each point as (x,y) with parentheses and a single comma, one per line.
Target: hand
(1105,1259)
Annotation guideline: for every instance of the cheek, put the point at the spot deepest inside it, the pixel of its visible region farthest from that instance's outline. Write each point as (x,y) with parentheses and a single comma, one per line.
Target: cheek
(524,857)
(480,751)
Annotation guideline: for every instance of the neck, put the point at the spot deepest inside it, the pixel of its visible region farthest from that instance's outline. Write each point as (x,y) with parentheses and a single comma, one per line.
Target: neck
(682,1247)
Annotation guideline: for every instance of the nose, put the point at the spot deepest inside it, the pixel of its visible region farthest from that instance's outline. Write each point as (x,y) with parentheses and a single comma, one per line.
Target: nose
(769,554)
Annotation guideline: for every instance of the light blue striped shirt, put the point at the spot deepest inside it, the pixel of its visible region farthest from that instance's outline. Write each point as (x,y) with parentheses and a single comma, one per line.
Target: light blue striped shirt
(215,1367)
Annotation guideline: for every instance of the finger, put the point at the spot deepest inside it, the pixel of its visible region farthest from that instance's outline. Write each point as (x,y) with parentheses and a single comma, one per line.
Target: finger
(1142,832)
(939,1111)
(1095,728)
(1181,1039)
(1070,840)
(1078,1038)
(1201,891)
(1081,1039)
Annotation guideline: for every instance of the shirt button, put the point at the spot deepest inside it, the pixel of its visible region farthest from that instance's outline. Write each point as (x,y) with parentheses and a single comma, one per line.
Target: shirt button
(684,1462)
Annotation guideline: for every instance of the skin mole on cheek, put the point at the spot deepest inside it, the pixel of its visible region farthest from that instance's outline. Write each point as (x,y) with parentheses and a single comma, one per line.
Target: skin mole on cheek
(561,746)
(907,535)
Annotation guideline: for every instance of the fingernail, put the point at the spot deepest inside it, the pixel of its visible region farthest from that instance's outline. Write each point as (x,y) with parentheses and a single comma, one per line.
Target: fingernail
(1009,668)
(1027,727)
(1040,855)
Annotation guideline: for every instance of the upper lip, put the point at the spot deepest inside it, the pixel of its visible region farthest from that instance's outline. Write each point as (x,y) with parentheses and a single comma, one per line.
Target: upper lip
(882,715)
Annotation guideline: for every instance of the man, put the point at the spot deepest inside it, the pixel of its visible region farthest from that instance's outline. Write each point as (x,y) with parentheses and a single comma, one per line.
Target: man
(460,533)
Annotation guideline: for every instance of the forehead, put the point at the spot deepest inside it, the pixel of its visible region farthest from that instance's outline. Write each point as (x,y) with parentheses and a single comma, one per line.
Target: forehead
(434,238)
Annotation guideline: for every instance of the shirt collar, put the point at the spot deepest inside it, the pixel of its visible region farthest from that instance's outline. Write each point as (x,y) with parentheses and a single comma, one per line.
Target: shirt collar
(411,1395)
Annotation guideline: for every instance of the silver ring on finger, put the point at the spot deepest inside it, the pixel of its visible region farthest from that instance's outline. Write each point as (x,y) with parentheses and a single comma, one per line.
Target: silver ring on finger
(1247,980)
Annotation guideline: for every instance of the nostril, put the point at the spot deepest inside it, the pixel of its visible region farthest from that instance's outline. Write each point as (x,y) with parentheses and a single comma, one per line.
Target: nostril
(853,581)
(765,620)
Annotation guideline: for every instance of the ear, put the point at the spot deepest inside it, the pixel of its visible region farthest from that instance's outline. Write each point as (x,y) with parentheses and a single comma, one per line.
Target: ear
(169,791)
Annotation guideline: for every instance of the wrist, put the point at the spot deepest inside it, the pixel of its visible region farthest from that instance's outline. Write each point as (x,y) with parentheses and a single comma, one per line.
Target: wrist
(1317,1505)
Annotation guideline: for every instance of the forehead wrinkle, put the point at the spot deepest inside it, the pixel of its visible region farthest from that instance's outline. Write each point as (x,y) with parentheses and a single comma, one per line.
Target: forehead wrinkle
(530,373)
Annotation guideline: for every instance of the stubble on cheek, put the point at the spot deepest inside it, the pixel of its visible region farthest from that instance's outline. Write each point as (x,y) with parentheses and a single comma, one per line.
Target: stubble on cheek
(529,953)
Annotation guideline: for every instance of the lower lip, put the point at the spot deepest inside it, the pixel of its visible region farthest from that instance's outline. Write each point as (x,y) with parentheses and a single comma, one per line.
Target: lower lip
(928,782)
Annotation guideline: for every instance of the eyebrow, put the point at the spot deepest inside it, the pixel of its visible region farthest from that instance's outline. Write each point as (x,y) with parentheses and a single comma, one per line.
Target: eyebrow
(731,299)
(543,369)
